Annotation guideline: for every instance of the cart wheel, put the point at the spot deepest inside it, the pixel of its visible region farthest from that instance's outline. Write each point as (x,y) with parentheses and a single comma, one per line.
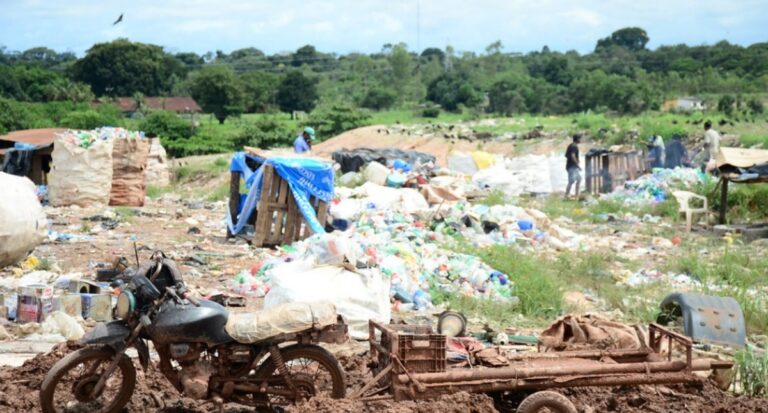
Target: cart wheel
(546,401)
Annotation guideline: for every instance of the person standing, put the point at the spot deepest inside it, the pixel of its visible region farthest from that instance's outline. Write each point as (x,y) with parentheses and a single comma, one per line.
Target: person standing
(677,154)
(572,165)
(711,144)
(303,142)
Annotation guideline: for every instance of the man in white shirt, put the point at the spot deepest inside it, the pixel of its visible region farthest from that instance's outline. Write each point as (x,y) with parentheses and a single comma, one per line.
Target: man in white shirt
(711,144)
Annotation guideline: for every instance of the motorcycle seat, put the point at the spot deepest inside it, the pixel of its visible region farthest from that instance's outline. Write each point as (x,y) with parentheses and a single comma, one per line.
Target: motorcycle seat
(286,318)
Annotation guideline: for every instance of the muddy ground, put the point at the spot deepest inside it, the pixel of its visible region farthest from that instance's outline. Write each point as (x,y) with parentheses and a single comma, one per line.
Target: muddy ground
(19,392)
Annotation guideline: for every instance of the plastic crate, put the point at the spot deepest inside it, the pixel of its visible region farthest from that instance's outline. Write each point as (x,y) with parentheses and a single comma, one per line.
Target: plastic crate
(418,348)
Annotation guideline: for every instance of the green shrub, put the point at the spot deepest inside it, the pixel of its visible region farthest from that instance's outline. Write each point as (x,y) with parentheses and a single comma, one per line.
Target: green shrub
(331,121)
(17,115)
(430,113)
(201,144)
(379,98)
(167,126)
(265,133)
(87,119)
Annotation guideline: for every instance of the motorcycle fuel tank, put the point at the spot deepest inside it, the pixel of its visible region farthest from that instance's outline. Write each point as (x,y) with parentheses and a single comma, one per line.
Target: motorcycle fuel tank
(187,323)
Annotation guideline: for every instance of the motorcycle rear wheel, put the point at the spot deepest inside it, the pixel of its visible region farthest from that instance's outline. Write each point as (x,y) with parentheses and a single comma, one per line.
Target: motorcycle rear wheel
(74,391)
(314,370)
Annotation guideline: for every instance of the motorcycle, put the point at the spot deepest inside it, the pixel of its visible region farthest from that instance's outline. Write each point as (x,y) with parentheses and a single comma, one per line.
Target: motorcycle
(265,360)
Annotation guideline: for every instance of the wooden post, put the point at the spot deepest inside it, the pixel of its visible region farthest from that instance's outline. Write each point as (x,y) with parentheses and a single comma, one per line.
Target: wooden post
(588,174)
(234,198)
(723,200)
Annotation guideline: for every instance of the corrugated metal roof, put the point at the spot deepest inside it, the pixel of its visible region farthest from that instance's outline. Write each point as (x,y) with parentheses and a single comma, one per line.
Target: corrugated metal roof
(41,137)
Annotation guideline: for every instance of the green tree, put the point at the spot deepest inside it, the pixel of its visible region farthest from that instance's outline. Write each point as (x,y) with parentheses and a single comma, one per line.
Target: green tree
(265,133)
(400,63)
(379,98)
(297,92)
(452,89)
(305,54)
(631,38)
(506,97)
(219,91)
(433,53)
(260,90)
(755,106)
(17,115)
(122,68)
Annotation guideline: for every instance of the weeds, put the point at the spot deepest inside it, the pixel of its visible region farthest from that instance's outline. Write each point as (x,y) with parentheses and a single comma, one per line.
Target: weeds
(85,227)
(752,368)
(45,264)
(495,197)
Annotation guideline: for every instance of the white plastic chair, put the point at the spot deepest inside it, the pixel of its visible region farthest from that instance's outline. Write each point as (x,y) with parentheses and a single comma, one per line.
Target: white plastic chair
(684,198)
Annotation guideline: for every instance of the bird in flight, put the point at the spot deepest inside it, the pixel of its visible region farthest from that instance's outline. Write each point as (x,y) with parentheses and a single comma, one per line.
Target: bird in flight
(119,19)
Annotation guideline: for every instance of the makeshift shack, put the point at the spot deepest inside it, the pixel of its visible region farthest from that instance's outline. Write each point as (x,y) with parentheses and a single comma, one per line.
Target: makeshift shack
(739,166)
(28,153)
(607,169)
(287,196)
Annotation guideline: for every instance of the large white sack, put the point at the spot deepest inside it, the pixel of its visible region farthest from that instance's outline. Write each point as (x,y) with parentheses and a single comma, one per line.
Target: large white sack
(462,163)
(283,319)
(157,173)
(80,176)
(22,221)
(358,296)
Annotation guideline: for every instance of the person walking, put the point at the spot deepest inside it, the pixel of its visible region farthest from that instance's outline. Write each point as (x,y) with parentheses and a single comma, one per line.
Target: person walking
(572,166)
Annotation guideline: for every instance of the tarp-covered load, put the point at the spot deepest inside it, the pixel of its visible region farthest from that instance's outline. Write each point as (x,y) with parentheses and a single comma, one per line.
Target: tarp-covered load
(22,221)
(286,318)
(351,160)
(306,178)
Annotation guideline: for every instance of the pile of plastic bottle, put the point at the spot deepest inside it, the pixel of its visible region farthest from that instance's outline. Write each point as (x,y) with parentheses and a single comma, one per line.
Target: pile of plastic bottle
(86,138)
(656,186)
(404,249)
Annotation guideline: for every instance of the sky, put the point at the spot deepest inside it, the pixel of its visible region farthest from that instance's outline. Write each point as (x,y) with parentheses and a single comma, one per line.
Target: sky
(344,26)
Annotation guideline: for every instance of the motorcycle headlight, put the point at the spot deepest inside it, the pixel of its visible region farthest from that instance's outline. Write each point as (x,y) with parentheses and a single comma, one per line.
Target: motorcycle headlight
(126,305)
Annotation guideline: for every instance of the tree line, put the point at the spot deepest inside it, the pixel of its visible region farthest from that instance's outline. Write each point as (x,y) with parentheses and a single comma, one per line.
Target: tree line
(621,75)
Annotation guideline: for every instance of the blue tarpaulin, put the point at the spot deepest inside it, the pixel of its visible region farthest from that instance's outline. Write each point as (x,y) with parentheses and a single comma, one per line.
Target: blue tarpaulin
(306,177)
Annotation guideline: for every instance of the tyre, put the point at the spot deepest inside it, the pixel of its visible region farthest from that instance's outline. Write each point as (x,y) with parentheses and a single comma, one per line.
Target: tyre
(546,401)
(314,372)
(67,386)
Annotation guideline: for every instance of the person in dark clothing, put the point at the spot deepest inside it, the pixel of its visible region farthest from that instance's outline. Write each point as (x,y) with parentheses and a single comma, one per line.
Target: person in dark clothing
(677,154)
(572,165)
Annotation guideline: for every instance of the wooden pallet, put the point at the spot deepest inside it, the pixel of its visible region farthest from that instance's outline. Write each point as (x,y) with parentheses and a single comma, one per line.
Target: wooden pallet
(278,220)
(608,171)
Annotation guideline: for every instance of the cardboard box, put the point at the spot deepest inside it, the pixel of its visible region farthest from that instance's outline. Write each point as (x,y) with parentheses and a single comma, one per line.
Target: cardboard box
(11,303)
(97,306)
(69,304)
(32,309)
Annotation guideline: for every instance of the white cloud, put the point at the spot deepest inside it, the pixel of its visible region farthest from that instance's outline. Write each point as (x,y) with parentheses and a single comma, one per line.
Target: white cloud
(587,17)
(364,25)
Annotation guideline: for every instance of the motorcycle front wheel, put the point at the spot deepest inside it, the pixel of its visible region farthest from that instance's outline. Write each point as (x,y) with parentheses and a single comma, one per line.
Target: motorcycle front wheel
(314,372)
(68,385)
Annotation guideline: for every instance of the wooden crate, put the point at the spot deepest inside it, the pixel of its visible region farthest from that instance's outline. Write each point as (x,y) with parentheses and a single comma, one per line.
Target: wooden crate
(608,171)
(277,218)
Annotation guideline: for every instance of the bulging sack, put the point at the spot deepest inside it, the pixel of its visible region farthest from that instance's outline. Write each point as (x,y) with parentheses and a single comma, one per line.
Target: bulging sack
(129,164)
(80,176)
(23,224)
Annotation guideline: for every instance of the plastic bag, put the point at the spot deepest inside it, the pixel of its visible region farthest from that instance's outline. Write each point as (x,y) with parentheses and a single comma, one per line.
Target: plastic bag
(376,173)
(358,296)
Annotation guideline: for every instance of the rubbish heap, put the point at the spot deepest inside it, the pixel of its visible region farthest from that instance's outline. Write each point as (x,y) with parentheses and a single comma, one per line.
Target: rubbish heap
(86,138)
(656,186)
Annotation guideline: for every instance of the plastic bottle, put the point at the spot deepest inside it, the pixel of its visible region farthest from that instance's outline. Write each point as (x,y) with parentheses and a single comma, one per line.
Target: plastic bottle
(421,300)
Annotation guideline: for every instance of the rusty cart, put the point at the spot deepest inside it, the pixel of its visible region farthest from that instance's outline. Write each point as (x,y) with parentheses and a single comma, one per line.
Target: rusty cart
(409,363)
